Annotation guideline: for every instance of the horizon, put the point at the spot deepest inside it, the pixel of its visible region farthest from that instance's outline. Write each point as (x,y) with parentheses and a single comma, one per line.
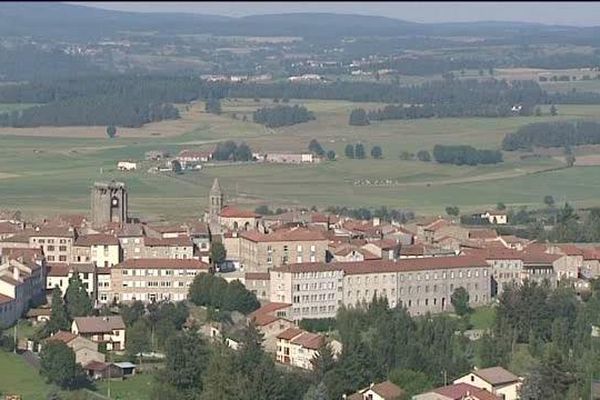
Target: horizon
(581,14)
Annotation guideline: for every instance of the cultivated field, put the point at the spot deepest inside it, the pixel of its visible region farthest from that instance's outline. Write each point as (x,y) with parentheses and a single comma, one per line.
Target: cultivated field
(50,170)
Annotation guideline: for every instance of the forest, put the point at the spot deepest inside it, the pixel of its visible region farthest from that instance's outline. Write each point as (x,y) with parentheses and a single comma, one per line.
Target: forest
(282,115)
(552,134)
(465,155)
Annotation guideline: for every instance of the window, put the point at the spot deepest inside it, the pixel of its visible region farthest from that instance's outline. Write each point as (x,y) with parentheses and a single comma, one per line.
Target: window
(62,258)
(299,248)
(50,248)
(62,248)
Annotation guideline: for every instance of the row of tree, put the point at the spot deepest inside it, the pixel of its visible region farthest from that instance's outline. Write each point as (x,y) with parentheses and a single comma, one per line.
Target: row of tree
(465,155)
(552,134)
(215,292)
(366,214)
(278,116)
(231,151)
(358,152)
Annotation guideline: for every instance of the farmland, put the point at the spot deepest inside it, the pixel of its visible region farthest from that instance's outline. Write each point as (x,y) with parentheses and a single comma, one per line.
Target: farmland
(49,170)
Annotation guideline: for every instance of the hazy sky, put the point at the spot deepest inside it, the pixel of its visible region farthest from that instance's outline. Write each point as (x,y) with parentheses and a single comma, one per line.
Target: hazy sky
(562,13)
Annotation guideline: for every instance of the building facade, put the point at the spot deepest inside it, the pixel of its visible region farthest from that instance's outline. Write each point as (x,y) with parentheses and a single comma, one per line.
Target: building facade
(109,203)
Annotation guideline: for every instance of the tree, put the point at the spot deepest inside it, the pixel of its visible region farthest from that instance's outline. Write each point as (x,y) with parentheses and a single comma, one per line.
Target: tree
(318,392)
(76,298)
(138,339)
(569,157)
(423,155)
(242,153)
(58,366)
(322,362)
(186,358)
(452,210)
(359,151)
(460,301)
(412,382)
(500,206)
(221,380)
(111,131)
(549,201)
(553,110)
(218,254)
(358,117)
(331,155)
(315,147)
(406,156)
(349,151)
(176,166)
(213,106)
(376,152)
(238,298)
(59,317)
(131,313)
(538,112)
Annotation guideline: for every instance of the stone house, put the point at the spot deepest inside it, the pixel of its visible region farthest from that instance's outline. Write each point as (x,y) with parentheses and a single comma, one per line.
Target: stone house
(99,249)
(496,380)
(109,330)
(85,349)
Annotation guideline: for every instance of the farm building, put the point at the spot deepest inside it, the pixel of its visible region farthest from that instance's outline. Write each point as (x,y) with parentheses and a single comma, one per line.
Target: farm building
(126,166)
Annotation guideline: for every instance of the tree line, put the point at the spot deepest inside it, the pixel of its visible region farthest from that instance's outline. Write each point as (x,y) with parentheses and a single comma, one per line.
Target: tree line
(231,151)
(278,116)
(213,291)
(465,155)
(552,134)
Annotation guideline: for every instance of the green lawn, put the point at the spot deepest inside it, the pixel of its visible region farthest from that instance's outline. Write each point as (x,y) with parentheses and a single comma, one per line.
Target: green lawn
(16,377)
(134,388)
(52,174)
(483,317)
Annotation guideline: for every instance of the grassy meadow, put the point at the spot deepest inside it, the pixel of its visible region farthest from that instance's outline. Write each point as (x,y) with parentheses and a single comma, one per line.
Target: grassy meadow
(50,170)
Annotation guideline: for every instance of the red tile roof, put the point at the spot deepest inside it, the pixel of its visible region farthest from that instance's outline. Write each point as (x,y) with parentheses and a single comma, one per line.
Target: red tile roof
(58,270)
(291,235)
(570,249)
(58,231)
(496,375)
(99,324)
(5,299)
(95,366)
(160,263)
(483,234)
(289,333)
(264,319)
(376,266)
(309,340)
(459,391)
(97,239)
(388,391)
(232,212)
(62,336)
(7,227)
(257,276)
(270,308)
(180,241)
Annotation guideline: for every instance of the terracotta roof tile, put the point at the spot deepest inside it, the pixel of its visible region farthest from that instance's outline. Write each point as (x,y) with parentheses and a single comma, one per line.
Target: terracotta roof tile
(309,340)
(388,390)
(496,375)
(459,391)
(62,336)
(180,241)
(99,324)
(289,333)
(232,212)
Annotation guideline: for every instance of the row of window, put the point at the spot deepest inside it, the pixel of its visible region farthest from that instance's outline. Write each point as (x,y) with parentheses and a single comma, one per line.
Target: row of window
(313,310)
(159,272)
(314,297)
(314,286)
(51,241)
(53,258)
(155,284)
(314,274)
(313,248)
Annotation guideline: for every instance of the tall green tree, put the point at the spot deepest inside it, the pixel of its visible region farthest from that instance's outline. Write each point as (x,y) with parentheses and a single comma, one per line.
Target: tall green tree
(221,380)
(187,356)
(412,382)
(59,316)
(359,151)
(138,339)
(111,131)
(218,254)
(358,117)
(76,298)
(376,152)
(315,147)
(58,366)
(460,301)
(322,362)
(349,151)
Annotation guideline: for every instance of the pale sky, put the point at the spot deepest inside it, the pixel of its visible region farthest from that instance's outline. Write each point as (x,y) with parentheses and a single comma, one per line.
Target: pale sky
(560,13)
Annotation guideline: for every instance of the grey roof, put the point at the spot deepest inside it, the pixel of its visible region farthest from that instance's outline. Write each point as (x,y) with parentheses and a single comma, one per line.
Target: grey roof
(125,364)
(496,375)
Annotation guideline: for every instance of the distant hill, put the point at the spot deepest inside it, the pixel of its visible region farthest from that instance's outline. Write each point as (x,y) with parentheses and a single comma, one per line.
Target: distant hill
(67,21)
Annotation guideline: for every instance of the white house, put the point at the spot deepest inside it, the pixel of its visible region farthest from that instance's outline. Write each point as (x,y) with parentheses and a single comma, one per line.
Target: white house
(496,380)
(378,391)
(126,166)
(495,217)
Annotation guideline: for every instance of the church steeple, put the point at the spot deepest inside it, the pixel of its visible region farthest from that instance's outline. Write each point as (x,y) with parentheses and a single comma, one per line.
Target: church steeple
(215,201)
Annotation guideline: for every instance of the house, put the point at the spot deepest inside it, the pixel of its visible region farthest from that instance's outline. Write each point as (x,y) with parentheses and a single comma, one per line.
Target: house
(259,252)
(126,166)
(192,157)
(56,242)
(496,380)
(495,217)
(85,350)
(236,219)
(109,330)
(381,391)
(291,158)
(154,279)
(60,274)
(101,370)
(317,290)
(22,285)
(270,320)
(127,368)
(457,391)
(99,249)
(180,247)
(297,347)
(37,315)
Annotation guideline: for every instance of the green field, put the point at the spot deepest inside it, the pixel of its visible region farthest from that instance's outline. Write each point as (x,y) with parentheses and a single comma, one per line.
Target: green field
(135,388)
(16,377)
(52,172)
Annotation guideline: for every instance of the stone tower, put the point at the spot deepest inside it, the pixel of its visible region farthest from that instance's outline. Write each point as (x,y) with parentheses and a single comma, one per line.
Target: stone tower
(215,201)
(109,203)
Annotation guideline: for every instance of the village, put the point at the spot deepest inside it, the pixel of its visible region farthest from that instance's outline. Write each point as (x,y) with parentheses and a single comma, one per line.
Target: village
(300,265)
